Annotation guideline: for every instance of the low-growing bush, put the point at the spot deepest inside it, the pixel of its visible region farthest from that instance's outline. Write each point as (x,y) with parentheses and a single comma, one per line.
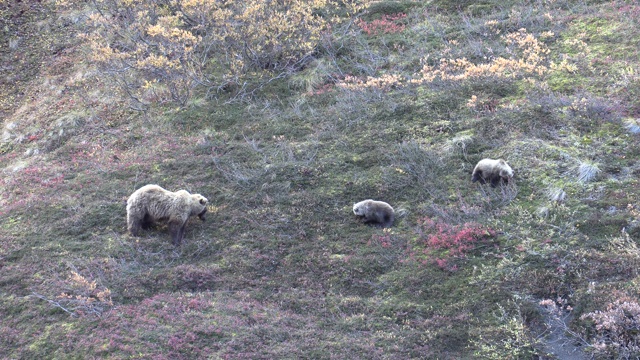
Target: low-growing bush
(387,24)
(616,329)
(443,244)
(161,51)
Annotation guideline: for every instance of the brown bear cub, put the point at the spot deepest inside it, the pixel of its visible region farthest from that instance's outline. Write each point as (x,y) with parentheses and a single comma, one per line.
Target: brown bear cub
(492,171)
(152,204)
(375,212)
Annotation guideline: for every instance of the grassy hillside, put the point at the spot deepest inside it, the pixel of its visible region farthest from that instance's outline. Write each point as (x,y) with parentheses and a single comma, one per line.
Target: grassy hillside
(398,106)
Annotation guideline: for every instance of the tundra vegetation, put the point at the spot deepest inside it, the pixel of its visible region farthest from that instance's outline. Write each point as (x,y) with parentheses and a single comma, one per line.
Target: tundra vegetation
(285,113)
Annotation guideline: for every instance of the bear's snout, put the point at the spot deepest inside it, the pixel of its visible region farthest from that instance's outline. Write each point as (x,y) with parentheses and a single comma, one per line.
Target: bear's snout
(201,215)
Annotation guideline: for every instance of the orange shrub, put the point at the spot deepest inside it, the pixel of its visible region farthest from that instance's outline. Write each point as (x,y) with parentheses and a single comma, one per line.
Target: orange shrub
(161,50)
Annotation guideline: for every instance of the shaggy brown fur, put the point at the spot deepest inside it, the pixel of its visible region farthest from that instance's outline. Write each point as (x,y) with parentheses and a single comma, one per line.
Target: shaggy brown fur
(152,204)
(375,212)
(493,171)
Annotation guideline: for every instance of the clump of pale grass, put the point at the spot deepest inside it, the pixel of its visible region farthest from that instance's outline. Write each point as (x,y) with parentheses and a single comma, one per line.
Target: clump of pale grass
(14,44)
(313,77)
(502,194)
(587,171)
(460,143)
(556,194)
(543,212)
(632,124)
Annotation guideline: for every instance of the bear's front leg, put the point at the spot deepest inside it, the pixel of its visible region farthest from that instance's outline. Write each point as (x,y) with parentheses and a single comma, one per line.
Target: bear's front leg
(146,222)
(133,225)
(479,178)
(134,228)
(177,233)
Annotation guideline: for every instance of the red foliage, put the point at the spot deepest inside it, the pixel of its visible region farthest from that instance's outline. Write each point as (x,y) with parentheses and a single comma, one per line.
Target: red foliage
(440,243)
(322,90)
(387,24)
(383,240)
(628,10)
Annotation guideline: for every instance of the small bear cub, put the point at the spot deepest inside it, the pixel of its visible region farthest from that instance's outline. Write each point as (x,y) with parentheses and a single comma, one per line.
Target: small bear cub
(374,212)
(492,171)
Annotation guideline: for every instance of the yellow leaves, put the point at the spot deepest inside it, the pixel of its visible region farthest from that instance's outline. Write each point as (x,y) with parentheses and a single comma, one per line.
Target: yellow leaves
(167,27)
(473,102)
(176,42)
(158,61)
(79,280)
(547,35)
(579,105)
(96,19)
(384,82)
(155,30)
(149,84)
(528,59)
(578,45)
(104,296)
(104,53)
(564,65)
(84,293)
(194,3)
(494,25)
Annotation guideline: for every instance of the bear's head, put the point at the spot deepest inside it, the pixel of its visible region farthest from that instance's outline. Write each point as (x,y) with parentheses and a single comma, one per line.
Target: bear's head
(506,172)
(199,205)
(360,209)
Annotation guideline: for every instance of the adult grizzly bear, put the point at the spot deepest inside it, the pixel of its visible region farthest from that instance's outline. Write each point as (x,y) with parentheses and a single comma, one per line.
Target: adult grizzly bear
(375,212)
(493,171)
(151,204)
